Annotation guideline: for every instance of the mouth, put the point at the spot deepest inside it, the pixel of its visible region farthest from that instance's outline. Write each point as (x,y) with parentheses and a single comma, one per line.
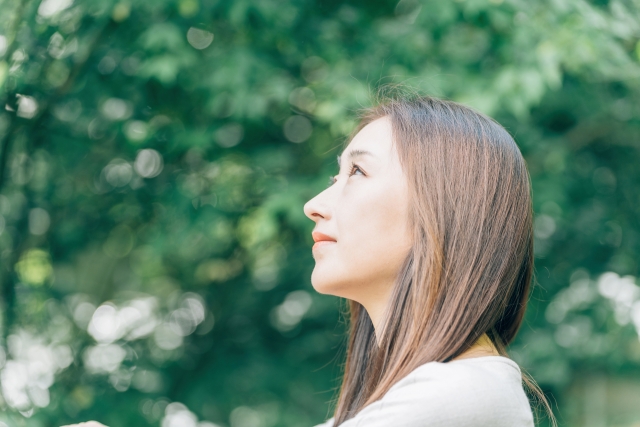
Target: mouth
(322,239)
(322,243)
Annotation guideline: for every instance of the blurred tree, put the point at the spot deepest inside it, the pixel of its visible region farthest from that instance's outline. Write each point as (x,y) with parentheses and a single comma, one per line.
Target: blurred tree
(156,155)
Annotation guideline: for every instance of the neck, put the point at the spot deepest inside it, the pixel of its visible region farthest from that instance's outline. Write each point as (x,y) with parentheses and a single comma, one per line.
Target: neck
(482,347)
(377,327)
(375,307)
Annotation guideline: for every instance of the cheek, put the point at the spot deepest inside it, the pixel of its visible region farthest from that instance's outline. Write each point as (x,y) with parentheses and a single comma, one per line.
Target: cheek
(382,246)
(372,240)
(373,227)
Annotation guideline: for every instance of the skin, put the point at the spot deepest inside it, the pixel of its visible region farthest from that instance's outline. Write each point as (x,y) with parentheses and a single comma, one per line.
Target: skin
(366,212)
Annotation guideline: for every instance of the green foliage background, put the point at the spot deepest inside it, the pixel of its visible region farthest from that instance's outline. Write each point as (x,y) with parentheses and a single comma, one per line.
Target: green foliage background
(156,155)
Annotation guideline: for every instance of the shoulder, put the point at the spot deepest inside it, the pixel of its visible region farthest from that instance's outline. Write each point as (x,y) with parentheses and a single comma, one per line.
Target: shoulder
(489,374)
(479,391)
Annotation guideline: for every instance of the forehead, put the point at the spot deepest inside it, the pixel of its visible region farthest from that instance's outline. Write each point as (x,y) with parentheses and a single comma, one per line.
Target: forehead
(375,137)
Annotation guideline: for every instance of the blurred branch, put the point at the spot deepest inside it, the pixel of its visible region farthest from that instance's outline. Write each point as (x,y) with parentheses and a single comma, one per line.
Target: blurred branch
(6,275)
(12,32)
(13,127)
(96,38)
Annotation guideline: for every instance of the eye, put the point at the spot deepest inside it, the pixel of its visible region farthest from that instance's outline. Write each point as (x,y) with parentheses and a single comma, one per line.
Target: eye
(354,169)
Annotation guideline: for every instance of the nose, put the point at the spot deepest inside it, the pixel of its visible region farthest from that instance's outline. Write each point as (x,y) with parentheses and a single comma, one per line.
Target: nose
(317,208)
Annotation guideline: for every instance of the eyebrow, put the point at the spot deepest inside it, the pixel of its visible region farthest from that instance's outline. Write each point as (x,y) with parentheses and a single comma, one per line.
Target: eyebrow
(355,153)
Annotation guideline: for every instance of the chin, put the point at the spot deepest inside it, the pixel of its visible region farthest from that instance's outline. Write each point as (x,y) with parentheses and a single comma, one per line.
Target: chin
(324,283)
(321,285)
(330,284)
(323,290)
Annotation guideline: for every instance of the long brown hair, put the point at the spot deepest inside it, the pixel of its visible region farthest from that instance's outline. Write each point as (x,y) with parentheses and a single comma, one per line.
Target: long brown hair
(471,264)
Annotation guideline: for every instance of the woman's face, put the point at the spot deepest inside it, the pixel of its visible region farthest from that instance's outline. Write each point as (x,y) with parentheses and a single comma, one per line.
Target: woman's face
(365,212)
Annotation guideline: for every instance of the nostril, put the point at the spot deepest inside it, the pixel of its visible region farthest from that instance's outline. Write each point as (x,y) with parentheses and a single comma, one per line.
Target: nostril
(315,209)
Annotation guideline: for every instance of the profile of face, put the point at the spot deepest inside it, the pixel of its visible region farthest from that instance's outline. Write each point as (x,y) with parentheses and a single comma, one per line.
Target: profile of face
(365,213)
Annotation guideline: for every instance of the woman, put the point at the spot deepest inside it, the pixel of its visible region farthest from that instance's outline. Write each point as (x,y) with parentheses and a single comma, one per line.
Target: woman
(427,231)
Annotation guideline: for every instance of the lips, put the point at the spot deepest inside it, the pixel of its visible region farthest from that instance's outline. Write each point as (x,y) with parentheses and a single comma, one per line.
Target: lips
(322,240)
(321,237)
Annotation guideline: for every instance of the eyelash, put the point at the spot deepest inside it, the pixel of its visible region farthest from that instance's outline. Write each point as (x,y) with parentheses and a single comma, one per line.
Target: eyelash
(332,179)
